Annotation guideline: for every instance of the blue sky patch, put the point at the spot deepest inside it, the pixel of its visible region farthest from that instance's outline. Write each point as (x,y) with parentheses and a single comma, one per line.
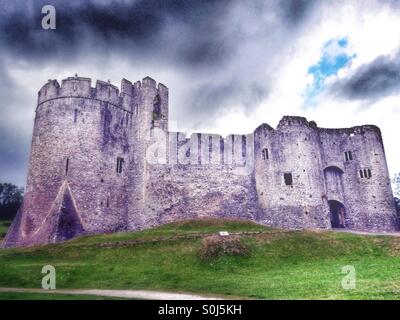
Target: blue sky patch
(334,58)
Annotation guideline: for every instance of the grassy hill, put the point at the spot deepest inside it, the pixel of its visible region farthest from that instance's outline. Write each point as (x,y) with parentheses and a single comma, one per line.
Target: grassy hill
(281,265)
(4,225)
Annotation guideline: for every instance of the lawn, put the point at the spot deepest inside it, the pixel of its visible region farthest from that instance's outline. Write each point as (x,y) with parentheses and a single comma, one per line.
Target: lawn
(4,225)
(289,265)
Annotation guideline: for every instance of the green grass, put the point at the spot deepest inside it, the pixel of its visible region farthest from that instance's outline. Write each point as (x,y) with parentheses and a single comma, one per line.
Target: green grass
(185,227)
(293,265)
(4,225)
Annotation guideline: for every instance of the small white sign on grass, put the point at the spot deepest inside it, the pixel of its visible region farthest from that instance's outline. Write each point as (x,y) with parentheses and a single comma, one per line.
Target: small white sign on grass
(223,233)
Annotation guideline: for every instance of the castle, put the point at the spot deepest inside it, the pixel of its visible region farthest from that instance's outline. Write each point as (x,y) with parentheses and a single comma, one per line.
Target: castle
(102,160)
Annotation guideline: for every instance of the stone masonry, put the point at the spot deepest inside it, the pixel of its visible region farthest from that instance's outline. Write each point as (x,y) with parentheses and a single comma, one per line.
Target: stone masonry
(102,160)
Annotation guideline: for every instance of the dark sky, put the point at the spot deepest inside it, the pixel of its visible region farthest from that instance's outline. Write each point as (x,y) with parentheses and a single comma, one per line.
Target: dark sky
(230,65)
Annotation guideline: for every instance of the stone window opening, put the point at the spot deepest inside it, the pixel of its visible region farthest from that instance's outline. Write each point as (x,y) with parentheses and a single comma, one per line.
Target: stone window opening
(157,108)
(209,148)
(244,145)
(348,156)
(288,178)
(233,145)
(66,166)
(265,154)
(75,115)
(152,129)
(222,149)
(120,162)
(366,173)
(199,155)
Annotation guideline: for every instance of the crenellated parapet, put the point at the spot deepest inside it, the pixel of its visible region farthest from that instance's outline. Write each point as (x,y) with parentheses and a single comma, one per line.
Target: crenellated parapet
(293,122)
(352,131)
(80,87)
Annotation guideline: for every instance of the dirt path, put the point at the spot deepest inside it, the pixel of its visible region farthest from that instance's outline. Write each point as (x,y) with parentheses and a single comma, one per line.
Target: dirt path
(366,233)
(133,294)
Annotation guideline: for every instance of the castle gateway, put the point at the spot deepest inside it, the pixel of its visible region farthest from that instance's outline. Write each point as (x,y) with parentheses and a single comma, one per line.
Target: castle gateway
(103,160)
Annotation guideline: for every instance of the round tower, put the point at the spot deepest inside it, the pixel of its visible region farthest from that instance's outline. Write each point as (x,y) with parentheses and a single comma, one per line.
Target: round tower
(288,175)
(79,162)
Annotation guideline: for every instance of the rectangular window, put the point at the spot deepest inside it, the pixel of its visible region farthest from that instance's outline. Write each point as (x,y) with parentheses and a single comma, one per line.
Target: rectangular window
(233,145)
(366,173)
(120,162)
(244,145)
(288,178)
(209,149)
(152,130)
(348,156)
(75,115)
(66,166)
(221,148)
(265,154)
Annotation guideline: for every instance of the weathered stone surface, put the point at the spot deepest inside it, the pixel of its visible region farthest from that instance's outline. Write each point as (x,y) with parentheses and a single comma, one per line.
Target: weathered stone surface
(103,161)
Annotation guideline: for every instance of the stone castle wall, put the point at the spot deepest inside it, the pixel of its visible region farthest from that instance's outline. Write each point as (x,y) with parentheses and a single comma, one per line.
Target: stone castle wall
(103,161)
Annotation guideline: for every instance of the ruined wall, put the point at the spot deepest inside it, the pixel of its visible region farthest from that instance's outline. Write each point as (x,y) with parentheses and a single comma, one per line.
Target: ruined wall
(293,151)
(322,172)
(103,160)
(368,199)
(203,176)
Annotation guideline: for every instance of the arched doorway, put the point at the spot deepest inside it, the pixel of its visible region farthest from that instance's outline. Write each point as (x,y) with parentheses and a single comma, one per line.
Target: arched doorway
(334,183)
(337,214)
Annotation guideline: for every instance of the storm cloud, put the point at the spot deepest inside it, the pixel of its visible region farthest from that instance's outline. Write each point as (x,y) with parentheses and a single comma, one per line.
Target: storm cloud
(219,40)
(150,27)
(371,81)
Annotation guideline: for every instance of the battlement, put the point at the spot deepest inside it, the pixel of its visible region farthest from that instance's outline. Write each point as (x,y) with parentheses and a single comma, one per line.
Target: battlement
(263,130)
(354,130)
(81,87)
(295,121)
